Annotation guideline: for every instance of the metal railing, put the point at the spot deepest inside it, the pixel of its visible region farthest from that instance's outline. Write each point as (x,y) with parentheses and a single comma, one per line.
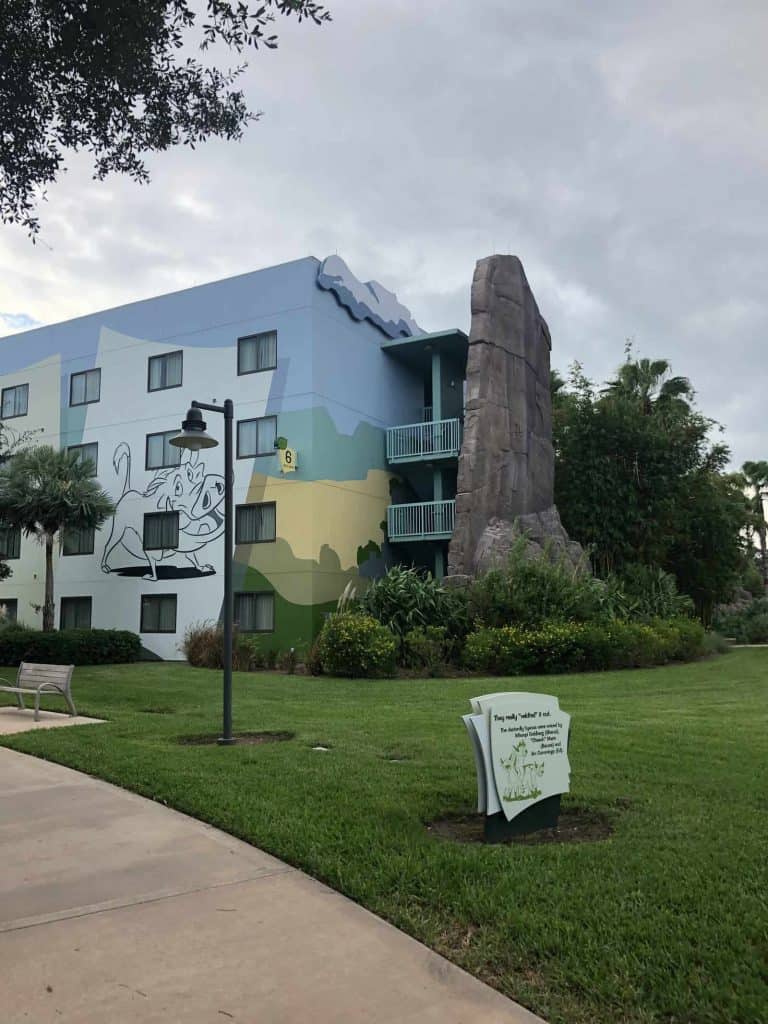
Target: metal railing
(435,439)
(422,520)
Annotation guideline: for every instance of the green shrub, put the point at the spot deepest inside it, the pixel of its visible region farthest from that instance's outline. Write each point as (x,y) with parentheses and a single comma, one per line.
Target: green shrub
(407,599)
(530,591)
(69,646)
(426,647)
(573,646)
(357,645)
(748,625)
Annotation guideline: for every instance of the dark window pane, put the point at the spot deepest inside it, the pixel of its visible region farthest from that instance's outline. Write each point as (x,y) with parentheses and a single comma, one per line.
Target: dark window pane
(85,387)
(15,401)
(161,530)
(10,542)
(79,542)
(158,613)
(9,608)
(165,371)
(259,352)
(87,453)
(255,523)
(256,437)
(255,613)
(161,454)
(75,613)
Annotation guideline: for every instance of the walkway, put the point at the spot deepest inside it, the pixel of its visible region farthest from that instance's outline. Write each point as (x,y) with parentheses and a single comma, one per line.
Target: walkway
(114,908)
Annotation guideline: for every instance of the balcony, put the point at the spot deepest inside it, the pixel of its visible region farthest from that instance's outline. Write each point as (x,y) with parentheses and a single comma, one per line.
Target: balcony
(424,442)
(422,520)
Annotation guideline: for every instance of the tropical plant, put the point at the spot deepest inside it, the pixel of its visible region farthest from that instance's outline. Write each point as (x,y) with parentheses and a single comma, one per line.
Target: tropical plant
(638,479)
(530,590)
(407,599)
(45,491)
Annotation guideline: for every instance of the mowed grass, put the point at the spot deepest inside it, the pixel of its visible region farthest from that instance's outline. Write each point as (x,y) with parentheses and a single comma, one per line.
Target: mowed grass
(664,921)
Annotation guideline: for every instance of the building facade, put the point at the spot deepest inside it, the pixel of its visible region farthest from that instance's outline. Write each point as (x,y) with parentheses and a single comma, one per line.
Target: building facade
(313,359)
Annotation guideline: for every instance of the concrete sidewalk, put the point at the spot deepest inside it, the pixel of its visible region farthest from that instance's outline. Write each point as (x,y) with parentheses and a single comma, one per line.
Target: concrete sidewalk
(113,908)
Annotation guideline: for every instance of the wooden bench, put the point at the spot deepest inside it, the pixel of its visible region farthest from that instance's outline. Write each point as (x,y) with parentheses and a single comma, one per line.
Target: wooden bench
(37,679)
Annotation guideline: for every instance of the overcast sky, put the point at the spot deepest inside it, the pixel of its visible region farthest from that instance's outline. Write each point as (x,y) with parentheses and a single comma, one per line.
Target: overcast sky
(618,148)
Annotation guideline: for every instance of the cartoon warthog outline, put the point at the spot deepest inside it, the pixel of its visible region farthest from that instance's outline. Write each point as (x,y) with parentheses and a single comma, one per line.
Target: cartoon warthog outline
(185,489)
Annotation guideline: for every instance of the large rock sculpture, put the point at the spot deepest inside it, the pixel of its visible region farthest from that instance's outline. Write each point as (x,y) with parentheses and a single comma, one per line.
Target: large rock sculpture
(506,466)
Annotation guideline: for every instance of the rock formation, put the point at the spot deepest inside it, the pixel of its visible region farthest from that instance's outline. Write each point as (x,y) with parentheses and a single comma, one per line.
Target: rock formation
(506,466)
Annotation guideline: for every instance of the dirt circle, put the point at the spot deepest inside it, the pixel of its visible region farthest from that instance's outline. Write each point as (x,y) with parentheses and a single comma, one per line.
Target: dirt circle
(575,825)
(242,739)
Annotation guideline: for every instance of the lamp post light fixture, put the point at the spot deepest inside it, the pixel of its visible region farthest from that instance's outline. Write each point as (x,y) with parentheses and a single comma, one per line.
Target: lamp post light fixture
(194,437)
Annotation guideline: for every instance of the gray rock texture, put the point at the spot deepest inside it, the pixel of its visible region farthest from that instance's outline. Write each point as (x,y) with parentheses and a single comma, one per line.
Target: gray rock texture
(506,466)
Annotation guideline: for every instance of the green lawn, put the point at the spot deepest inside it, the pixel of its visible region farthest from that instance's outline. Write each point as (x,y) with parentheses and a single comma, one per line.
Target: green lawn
(664,921)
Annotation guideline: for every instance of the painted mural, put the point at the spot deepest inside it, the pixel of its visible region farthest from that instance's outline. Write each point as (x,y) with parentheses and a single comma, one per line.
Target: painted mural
(329,512)
(187,489)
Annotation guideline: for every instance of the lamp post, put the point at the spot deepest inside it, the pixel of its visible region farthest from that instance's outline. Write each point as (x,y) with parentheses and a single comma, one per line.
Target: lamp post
(194,437)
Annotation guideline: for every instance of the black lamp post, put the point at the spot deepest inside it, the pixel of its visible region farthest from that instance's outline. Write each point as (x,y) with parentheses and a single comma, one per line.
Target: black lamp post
(194,437)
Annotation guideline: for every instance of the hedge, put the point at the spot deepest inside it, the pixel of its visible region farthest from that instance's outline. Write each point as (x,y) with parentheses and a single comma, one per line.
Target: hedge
(69,646)
(351,644)
(576,646)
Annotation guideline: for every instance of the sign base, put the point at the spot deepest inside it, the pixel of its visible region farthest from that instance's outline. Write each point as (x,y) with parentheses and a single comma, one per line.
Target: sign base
(543,814)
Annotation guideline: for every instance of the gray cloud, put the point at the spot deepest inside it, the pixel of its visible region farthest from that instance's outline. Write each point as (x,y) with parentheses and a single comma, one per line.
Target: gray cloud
(618,149)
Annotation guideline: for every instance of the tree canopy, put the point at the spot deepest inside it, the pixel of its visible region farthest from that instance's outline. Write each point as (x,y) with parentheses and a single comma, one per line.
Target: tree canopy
(639,480)
(117,78)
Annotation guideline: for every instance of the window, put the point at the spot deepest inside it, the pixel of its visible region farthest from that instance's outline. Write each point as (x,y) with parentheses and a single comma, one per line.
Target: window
(85,387)
(255,524)
(161,530)
(15,401)
(75,613)
(158,613)
(10,542)
(78,542)
(87,453)
(9,608)
(256,437)
(165,371)
(160,452)
(257,352)
(255,613)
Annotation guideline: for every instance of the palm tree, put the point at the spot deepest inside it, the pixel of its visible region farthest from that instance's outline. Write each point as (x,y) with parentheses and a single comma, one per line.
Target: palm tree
(648,382)
(44,491)
(756,482)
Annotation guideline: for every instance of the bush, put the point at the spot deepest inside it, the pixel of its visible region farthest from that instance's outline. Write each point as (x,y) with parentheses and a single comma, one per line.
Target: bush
(574,646)
(408,599)
(426,647)
(747,625)
(530,591)
(645,592)
(69,646)
(203,647)
(353,644)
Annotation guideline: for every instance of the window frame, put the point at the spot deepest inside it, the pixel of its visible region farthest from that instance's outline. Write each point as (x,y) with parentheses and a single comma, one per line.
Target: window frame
(87,444)
(164,355)
(15,415)
(159,597)
(159,515)
(15,602)
(76,554)
(253,337)
(84,373)
(257,455)
(255,593)
(254,504)
(17,531)
(165,465)
(76,597)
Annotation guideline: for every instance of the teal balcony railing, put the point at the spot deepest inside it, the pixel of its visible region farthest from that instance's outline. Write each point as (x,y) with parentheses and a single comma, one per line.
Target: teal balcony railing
(421,520)
(416,442)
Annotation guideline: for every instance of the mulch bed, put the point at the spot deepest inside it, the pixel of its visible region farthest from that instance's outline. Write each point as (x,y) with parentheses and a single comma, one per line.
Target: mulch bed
(245,739)
(575,825)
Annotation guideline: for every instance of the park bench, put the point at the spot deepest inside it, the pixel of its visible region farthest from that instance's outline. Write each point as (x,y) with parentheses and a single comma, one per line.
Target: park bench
(37,679)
